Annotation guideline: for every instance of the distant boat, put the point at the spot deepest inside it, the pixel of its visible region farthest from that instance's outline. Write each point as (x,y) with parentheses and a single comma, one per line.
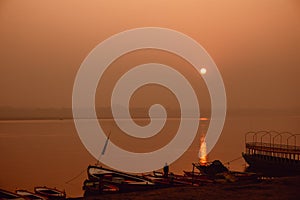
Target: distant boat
(29,195)
(50,193)
(9,195)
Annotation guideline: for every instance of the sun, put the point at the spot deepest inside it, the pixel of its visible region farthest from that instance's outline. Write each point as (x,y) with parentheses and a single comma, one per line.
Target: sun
(203,71)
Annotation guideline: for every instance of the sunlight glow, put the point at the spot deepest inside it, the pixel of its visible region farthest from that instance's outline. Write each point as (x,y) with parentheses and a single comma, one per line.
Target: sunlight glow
(203,71)
(202,151)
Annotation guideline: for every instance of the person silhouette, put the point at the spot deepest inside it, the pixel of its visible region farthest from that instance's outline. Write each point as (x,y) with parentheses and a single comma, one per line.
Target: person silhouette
(166,170)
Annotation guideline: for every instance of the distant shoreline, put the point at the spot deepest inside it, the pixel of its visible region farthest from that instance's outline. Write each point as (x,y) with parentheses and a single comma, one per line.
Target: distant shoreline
(61,119)
(11,113)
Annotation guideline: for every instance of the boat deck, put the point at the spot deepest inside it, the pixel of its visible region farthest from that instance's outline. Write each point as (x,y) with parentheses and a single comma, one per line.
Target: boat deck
(276,150)
(274,144)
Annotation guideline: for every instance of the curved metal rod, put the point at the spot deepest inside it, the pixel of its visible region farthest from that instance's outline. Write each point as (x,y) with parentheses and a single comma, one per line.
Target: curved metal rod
(261,138)
(273,132)
(291,135)
(258,132)
(295,139)
(287,140)
(287,133)
(247,135)
(279,134)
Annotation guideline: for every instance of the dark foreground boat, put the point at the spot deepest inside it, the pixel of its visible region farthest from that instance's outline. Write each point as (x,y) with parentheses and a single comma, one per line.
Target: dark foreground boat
(95,173)
(217,172)
(166,181)
(50,193)
(211,169)
(270,158)
(29,195)
(9,195)
(271,165)
(172,179)
(103,180)
(95,187)
(198,178)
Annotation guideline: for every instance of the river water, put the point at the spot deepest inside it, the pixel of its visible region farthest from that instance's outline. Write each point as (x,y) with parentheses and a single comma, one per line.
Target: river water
(50,153)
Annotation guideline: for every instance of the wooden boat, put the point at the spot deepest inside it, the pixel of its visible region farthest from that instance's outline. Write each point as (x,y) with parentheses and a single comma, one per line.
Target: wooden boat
(211,169)
(97,187)
(29,195)
(123,181)
(10,195)
(198,178)
(163,181)
(245,176)
(271,165)
(272,158)
(131,186)
(217,172)
(170,180)
(97,172)
(50,193)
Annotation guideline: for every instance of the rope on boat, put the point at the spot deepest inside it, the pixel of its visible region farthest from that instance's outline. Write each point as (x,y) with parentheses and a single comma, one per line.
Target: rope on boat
(102,153)
(233,160)
(75,177)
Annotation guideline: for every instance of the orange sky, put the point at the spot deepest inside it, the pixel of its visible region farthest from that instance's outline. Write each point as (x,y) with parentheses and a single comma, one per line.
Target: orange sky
(255,44)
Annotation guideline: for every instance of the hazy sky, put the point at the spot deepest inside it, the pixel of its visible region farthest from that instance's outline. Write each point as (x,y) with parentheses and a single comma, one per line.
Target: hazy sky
(255,44)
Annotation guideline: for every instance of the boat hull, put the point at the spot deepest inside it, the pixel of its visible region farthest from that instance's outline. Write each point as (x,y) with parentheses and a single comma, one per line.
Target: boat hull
(50,193)
(270,165)
(103,180)
(96,173)
(29,195)
(9,195)
(95,187)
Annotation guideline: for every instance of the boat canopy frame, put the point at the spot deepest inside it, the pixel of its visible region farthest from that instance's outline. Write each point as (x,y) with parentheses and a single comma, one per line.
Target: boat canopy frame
(283,149)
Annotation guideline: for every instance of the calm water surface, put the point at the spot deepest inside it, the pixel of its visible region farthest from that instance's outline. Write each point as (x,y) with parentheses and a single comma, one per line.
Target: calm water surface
(49,152)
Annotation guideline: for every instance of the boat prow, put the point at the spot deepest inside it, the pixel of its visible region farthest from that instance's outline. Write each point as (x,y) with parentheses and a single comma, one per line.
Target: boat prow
(50,193)
(95,173)
(29,195)
(10,195)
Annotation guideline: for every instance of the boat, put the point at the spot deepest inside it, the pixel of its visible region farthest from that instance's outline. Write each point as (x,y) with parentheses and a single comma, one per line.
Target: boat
(188,178)
(95,187)
(211,169)
(98,172)
(50,193)
(10,195)
(198,177)
(272,166)
(29,195)
(245,176)
(272,158)
(167,181)
(112,179)
(217,172)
